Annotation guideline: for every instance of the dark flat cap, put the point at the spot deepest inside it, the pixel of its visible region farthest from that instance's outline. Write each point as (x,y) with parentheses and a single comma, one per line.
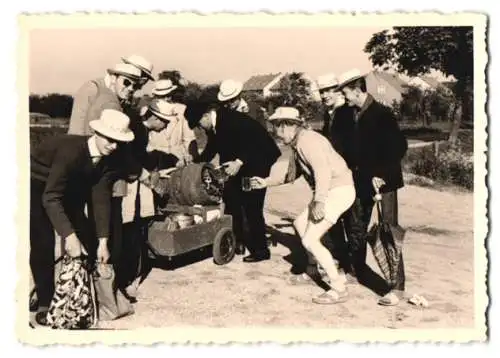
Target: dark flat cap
(194,111)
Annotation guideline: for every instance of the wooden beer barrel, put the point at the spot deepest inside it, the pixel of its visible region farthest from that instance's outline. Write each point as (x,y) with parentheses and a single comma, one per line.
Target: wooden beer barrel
(186,186)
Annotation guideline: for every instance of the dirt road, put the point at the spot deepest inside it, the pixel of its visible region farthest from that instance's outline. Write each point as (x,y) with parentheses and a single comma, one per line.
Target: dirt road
(439,265)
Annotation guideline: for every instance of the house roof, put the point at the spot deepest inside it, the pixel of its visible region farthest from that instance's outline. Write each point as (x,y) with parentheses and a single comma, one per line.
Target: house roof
(431,81)
(258,82)
(392,79)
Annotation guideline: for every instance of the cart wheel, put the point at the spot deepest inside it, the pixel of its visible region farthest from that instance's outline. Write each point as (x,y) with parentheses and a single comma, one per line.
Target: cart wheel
(224,246)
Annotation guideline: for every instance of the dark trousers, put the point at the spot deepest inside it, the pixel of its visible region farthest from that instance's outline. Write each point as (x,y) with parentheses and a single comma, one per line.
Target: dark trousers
(42,246)
(42,241)
(132,252)
(357,221)
(128,244)
(249,205)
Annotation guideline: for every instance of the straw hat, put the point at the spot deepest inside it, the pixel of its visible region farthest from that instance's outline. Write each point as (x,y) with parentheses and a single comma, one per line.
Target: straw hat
(163,109)
(124,69)
(288,113)
(349,77)
(229,89)
(163,87)
(141,63)
(328,80)
(113,124)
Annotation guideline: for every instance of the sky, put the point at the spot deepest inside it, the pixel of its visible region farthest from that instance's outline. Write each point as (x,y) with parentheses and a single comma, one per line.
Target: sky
(61,60)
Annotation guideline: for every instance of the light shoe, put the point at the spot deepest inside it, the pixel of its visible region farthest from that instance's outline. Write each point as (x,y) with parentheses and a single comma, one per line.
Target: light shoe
(331,297)
(301,279)
(390,299)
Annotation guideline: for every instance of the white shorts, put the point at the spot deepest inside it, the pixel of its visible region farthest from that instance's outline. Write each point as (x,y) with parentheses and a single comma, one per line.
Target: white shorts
(338,201)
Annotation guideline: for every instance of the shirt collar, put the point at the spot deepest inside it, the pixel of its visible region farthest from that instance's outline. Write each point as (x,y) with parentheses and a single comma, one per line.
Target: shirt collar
(293,144)
(93,150)
(213,118)
(368,101)
(242,106)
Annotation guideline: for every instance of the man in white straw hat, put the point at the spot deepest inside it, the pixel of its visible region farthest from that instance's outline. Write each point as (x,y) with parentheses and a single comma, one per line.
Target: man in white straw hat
(230,96)
(143,65)
(67,173)
(331,181)
(376,148)
(177,139)
(138,206)
(336,121)
(109,92)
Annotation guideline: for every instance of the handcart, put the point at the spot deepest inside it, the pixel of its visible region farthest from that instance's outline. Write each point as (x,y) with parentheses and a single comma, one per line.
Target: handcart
(217,232)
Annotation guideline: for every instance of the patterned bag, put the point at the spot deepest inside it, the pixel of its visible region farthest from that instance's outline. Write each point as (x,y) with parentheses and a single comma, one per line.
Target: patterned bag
(386,241)
(73,305)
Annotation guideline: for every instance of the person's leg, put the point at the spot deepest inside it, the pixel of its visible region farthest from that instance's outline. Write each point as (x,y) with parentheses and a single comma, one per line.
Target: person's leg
(233,206)
(42,247)
(253,209)
(338,201)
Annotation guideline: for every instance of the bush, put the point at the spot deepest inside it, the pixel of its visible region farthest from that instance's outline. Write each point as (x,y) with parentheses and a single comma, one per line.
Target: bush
(450,166)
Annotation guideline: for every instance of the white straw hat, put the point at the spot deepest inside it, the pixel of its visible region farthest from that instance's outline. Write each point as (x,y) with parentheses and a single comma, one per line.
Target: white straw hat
(113,124)
(328,80)
(141,63)
(288,113)
(229,89)
(124,69)
(163,109)
(349,77)
(163,87)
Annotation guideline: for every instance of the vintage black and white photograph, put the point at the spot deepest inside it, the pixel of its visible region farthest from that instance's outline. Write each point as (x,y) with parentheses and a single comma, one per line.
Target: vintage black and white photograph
(266,176)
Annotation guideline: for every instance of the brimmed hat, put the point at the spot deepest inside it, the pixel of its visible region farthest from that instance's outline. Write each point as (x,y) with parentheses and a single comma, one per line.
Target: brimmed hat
(287,113)
(229,89)
(163,87)
(113,124)
(194,111)
(163,109)
(124,69)
(328,80)
(349,77)
(141,63)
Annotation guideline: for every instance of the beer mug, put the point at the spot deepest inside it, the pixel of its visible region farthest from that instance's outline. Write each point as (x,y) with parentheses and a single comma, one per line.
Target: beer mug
(245,184)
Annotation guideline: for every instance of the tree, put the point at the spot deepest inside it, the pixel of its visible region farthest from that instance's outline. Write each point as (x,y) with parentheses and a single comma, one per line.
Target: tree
(295,90)
(417,50)
(55,105)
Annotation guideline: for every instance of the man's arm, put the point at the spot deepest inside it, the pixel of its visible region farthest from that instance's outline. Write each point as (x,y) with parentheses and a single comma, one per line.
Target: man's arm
(101,203)
(393,145)
(52,198)
(210,149)
(81,103)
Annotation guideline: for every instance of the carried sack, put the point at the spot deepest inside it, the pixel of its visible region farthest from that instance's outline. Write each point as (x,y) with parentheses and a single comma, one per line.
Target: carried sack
(386,241)
(73,305)
(111,302)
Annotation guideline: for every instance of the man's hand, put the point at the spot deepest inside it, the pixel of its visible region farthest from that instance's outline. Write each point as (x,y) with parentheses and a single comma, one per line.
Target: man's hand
(317,211)
(180,163)
(257,183)
(233,167)
(102,251)
(188,159)
(73,246)
(377,183)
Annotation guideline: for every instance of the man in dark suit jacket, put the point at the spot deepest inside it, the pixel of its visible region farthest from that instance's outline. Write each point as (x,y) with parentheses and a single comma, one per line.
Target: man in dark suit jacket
(374,148)
(68,173)
(247,150)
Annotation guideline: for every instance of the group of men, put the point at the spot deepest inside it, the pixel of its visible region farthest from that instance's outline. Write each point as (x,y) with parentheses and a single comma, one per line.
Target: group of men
(93,185)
